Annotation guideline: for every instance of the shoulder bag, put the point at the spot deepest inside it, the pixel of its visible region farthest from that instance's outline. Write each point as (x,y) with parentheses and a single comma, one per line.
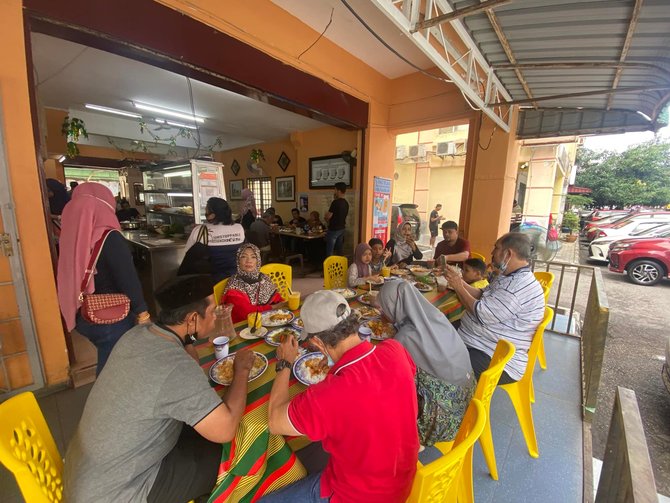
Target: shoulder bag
(196,260)
(101,308)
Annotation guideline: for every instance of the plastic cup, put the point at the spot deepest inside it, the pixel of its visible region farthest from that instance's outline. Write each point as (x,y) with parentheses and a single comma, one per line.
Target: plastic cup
(386,271)
(365,333)
(221,347)
(255,319)
(293,301)
(430,263)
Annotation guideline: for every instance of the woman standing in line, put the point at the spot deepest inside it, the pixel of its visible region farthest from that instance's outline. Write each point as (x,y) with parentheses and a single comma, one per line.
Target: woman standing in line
(86,218)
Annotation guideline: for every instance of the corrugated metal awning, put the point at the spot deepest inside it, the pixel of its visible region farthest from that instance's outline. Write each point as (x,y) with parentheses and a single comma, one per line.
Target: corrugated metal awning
(578,67)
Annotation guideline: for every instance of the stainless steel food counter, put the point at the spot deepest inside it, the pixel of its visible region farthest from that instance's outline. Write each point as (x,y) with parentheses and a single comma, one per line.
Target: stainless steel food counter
(157,260)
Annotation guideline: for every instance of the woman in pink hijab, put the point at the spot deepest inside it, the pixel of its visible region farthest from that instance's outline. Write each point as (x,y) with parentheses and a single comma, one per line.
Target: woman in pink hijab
(248,211)
(86,217)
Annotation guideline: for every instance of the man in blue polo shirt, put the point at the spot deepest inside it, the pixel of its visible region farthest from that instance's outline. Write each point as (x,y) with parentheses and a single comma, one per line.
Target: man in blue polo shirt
(364,412)
(510,308)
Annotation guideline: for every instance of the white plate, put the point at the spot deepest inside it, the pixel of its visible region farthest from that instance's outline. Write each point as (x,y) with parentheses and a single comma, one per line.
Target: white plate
(373,312)
(266,318)
(297,324)
(302,372)
(422,287)
(255,373)
(391,333)
(258,334)
(364,300)
(272,337)
(347,293)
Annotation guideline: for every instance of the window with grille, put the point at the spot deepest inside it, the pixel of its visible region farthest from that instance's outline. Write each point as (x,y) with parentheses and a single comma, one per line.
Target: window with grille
(262,189)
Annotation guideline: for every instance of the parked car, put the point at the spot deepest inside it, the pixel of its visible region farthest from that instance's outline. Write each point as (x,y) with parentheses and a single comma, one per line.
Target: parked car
(409,213)
(590,225)
(601,214)
(645,261)
(601,230)
(599,248)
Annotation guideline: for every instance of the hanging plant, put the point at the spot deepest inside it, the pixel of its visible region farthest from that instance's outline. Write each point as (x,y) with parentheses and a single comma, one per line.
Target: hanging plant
(73,129)
(256,155)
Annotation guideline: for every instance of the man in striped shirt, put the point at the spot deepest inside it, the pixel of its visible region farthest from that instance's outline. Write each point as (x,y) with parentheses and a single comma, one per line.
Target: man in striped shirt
(510,308)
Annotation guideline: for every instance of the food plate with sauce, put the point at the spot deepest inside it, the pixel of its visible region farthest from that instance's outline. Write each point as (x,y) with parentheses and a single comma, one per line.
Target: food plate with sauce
(309,369)
(277,318)
(222,371)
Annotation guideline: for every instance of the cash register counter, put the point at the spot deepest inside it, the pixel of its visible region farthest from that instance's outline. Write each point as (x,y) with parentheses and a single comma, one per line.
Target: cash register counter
(156,259)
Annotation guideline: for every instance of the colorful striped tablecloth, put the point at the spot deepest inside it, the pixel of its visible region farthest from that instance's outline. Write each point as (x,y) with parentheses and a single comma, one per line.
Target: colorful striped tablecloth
(256,462)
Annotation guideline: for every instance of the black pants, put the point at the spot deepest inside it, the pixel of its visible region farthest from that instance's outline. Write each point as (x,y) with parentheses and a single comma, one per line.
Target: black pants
(188,471)
(480,362)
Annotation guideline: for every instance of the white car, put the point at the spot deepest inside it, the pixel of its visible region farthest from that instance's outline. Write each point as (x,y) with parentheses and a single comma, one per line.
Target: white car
(599,248)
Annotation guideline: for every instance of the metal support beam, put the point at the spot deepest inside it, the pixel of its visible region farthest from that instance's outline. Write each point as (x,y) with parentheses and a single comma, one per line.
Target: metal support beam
(589,93)
(565,65)
(457,14)
(469,71)
(626,46)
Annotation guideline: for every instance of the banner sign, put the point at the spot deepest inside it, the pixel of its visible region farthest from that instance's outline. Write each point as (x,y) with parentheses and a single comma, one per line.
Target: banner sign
(381,207)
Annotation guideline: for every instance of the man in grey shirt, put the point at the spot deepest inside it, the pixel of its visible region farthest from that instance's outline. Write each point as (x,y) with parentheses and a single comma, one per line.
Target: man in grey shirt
(259,232)
(152,426)
(510,308)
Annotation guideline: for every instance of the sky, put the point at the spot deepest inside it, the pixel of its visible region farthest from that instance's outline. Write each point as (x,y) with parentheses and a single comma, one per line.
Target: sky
(620,142)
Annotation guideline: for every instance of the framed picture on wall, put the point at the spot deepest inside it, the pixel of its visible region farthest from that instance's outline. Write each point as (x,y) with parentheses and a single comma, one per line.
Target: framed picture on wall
(285,188)
(235,166)
(325,172)
(283,161)
(235,192)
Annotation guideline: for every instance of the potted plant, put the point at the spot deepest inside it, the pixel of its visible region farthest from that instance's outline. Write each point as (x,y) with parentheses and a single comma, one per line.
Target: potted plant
(73,128)
(571,222)
(256,156)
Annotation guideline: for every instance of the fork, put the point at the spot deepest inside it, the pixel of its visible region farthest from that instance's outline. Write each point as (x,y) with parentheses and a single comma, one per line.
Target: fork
(253,329)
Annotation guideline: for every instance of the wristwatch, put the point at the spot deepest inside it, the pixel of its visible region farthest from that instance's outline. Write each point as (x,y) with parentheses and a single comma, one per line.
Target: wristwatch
(282,364)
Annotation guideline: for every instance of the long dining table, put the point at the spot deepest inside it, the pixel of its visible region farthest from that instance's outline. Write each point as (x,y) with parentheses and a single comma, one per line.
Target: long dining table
(257,462)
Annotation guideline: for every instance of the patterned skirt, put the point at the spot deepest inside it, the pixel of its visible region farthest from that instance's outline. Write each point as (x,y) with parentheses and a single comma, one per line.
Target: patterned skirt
(441,407)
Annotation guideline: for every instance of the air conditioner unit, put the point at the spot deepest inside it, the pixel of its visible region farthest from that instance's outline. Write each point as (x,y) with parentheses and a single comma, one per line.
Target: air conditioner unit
(417,152)
(400,152)
(446,148)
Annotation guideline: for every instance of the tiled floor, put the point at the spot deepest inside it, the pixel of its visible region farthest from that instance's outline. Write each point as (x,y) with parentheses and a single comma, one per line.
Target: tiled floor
(556,476)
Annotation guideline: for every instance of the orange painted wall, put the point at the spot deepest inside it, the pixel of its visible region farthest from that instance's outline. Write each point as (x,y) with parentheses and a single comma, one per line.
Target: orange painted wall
(21,157)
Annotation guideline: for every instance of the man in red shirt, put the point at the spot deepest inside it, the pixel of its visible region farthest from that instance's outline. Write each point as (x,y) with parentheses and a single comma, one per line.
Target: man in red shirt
(454,248)
(364,412)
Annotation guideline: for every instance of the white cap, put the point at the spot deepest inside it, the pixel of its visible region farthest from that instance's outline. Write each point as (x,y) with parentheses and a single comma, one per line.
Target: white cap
(320,311)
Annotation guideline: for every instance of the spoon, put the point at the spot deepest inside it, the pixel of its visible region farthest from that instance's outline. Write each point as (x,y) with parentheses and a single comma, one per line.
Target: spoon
(253,329)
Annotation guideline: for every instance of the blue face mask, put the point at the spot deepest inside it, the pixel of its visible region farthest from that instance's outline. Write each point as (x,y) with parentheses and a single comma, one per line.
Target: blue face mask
(330,360)
(502,266)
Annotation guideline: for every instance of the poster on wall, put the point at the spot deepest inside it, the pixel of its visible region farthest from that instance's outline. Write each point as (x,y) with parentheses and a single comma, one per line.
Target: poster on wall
(381,207)
(303,202)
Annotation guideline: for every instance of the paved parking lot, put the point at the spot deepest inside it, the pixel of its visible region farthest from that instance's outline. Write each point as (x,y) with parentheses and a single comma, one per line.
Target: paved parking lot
(638,330)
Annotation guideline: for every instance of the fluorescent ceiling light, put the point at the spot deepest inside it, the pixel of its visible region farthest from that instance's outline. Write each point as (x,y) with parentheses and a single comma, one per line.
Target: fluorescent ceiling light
(165,111)
(177,173)
(61,158)
(180,194)
(112,111)
(179,124)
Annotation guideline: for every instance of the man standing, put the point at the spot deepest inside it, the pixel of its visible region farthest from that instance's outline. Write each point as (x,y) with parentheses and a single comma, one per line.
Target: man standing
(336,217)
(433,222)
(455,249)
(510,308)
(152,426)
(367,463)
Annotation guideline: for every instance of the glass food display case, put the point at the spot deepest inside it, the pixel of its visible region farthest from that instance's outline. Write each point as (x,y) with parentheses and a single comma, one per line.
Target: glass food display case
(176,193)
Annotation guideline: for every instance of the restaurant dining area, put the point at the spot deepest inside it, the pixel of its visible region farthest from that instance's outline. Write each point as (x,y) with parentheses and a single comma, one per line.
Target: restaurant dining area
(261,251)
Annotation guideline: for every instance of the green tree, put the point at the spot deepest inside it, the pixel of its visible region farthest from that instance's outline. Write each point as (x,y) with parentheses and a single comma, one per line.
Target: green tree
(637,176)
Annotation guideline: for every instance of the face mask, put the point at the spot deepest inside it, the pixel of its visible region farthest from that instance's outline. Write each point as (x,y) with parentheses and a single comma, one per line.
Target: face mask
(503,265)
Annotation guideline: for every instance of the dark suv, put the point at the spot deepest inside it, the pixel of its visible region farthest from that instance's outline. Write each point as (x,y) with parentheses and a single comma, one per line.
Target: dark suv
(408,213)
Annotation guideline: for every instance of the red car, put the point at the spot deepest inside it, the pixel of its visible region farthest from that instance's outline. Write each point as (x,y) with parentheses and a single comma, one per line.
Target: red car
(645,261)
(593,231)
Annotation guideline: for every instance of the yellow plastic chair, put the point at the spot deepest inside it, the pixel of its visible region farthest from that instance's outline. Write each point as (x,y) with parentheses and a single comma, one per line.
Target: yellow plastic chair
(218,290)
(28,450)
(478,255)
(438,481)
(486,385)
(520,392)
(335,272)
(546,279)
(281,275)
